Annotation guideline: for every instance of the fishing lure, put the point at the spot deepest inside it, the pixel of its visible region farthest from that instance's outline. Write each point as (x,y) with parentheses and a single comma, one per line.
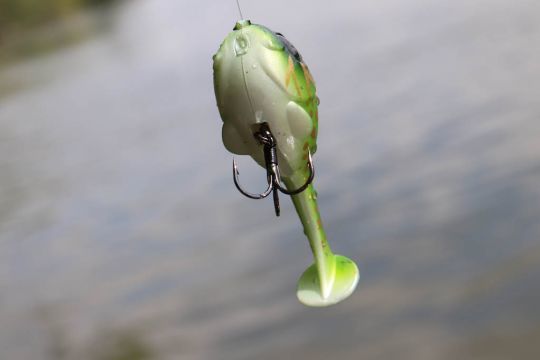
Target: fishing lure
(267,100)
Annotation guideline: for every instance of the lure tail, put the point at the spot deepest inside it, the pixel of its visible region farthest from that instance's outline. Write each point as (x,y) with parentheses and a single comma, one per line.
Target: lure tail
(314,290)
(331,278)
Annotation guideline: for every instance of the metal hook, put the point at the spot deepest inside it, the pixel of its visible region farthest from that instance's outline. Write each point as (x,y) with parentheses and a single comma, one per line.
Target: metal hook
(265,137)
(262,195)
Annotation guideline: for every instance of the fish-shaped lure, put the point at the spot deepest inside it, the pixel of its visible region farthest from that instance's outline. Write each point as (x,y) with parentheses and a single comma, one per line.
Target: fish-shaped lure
(267,100)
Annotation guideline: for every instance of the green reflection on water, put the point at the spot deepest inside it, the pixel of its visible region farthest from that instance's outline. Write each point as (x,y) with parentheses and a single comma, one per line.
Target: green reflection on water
(32,27)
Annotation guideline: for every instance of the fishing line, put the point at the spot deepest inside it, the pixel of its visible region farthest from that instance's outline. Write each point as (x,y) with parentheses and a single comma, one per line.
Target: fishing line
(239,10)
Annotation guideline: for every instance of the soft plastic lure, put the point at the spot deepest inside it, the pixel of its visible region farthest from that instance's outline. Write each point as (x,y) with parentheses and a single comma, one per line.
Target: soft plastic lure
(267,100)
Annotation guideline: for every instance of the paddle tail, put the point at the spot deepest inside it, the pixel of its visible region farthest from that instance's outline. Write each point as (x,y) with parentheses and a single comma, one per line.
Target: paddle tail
(331,278)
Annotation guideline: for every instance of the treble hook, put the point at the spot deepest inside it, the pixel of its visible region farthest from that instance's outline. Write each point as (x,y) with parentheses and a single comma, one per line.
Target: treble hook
(265,137)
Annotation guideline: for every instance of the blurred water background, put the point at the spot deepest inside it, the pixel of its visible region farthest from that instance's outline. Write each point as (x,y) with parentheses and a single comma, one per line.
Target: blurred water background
(123,237)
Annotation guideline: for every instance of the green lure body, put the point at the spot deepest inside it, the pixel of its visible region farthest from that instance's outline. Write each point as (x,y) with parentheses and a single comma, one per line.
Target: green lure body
(259,77)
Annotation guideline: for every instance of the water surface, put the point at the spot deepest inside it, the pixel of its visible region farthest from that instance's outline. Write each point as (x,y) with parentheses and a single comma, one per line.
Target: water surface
(120,227)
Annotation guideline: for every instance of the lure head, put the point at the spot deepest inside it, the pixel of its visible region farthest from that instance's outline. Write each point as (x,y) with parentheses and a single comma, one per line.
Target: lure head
(260,77)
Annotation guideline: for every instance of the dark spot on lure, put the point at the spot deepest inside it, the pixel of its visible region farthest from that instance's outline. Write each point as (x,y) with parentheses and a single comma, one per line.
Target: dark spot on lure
(290,47)
(240,24)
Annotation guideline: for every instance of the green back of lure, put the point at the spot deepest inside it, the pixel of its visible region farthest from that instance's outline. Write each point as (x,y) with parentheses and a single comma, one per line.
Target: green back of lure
(260,78)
